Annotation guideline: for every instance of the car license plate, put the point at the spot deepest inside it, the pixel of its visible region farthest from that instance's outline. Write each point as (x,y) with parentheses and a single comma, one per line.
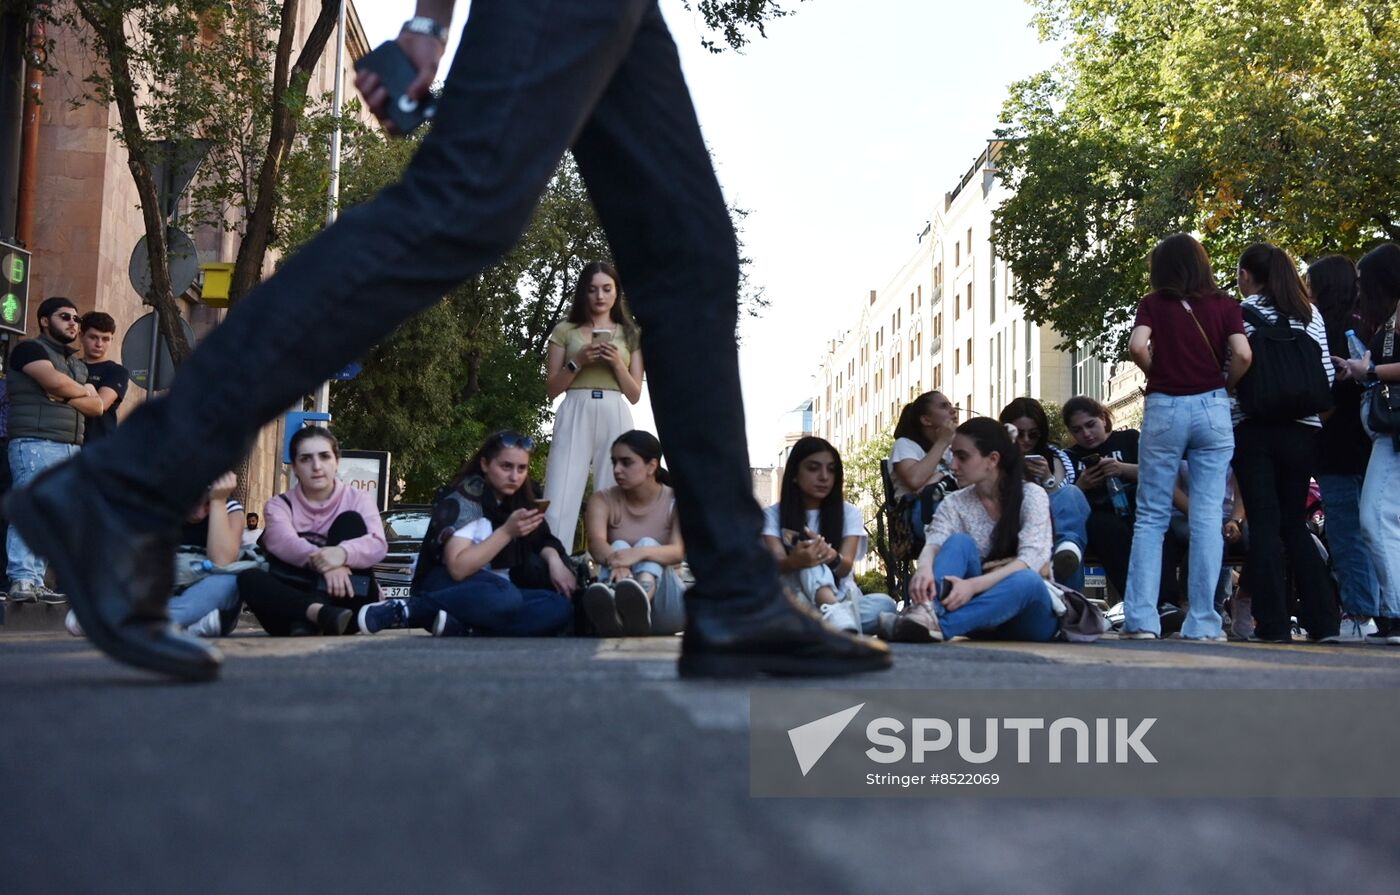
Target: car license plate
(396,591)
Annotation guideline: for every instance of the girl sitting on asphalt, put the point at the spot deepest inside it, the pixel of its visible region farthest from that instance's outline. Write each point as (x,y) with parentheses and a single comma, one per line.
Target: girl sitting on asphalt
(816,537)
(980,571)
(488,565)
(634,536)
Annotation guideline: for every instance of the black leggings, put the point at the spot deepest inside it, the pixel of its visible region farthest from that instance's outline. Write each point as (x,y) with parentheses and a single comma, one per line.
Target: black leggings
(280,600)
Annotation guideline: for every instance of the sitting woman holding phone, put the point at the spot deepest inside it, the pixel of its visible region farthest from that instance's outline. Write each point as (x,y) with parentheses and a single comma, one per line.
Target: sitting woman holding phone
(488,565)
(635,537)
(980,572)
(817,536)
(595,362)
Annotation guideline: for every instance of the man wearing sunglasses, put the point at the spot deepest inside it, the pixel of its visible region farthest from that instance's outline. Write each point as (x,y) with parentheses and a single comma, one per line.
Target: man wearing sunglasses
(50,399)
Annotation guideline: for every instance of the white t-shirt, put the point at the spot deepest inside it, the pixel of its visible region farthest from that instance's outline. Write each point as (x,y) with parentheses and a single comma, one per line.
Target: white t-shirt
(852,525)
(908,449)
(477,531)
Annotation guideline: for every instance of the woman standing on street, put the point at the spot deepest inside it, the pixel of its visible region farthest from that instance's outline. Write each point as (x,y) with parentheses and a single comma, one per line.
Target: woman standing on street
(1379,282)
(1184,331)
(1274,461)
(595,361)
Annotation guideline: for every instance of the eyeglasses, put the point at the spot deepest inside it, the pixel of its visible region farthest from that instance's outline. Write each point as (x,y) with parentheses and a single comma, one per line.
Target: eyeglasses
(512,440)
(68,318)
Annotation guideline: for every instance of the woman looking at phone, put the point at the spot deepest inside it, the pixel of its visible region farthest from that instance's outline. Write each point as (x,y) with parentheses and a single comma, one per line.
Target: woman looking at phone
(488,565)
(1106,470)
(595,362)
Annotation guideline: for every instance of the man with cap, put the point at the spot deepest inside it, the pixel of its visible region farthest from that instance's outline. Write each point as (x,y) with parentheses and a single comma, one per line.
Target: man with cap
(50,399)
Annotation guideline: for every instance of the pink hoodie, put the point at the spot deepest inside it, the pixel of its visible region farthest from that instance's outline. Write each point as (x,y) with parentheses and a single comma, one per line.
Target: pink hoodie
(281,538)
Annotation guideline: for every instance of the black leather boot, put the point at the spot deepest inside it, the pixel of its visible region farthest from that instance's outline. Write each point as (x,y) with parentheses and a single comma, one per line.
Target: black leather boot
(118,581)
(782,638)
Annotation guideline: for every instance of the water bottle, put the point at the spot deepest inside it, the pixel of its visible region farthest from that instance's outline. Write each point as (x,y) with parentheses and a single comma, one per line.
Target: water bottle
(1355,345)
(1118,495)
(201,565)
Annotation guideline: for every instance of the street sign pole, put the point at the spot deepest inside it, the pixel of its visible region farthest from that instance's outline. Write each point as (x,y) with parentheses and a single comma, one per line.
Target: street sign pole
(323,392)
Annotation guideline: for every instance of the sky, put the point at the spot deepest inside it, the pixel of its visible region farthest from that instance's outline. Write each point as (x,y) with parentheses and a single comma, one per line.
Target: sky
(839,133)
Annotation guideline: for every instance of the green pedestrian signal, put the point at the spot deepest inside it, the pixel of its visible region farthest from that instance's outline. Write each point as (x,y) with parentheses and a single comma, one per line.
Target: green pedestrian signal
(14,282)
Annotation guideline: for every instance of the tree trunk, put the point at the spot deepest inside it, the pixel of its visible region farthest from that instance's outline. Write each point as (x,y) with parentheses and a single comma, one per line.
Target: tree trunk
(288,91)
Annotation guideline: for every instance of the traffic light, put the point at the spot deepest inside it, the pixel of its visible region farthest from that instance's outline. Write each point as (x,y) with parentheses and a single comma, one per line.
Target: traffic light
(14,288)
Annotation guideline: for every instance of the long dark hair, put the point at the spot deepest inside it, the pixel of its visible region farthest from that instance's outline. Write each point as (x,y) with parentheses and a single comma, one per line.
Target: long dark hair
(306,432)
(1180,268)
(1030,407)
(792,512)
(476,466)
(987,436)
(580,314)
(645,445)
(1085,404)
(1332,283)
(910,424)
(1380,283)
(1278,280)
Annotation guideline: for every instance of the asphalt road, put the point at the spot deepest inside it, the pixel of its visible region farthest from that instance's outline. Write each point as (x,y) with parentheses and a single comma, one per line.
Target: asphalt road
(400,763)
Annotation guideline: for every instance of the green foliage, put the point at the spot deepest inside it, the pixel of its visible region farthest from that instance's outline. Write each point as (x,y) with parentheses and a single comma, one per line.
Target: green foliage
(865,488)
(874,582)
(736,19)
(1237,120)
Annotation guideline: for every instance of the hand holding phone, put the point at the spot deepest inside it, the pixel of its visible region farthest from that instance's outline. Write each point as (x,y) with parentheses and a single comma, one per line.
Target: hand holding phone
(395,74)
(602,336)
(541,505)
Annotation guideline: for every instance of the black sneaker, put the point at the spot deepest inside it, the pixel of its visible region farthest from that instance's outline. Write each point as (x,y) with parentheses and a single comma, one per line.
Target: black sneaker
(1385,629)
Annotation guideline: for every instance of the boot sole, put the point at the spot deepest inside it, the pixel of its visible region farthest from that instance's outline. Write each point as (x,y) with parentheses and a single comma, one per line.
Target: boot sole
(26,517)
(749,666)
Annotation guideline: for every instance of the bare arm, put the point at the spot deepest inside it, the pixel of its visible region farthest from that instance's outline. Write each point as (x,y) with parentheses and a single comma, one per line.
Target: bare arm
(1240,358)
(1140,347)
(464,559)
(558,376)
(595,522)
(915,474)
(629,378)
(225,540)
(108,397)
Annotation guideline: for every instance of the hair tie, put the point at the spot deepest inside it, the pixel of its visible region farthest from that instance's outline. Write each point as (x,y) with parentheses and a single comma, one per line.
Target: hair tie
(1012,431)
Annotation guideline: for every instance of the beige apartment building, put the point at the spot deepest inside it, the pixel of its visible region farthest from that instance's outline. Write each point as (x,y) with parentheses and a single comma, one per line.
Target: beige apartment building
(946,321)
(87,219)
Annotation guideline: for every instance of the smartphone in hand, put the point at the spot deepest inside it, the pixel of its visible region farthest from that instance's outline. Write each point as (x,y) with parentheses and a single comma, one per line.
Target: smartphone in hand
(541,505)
(397,72)
(602,336)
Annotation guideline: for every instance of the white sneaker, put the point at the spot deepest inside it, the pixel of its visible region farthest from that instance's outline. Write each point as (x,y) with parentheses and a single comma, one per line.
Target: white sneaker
(208,626)
(70,621)
(840,617)
(1354,629)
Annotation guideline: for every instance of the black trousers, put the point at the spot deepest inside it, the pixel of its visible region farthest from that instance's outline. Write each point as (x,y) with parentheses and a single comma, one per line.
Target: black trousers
(280,597)
(1111,542)
(1273,465)
(532,79)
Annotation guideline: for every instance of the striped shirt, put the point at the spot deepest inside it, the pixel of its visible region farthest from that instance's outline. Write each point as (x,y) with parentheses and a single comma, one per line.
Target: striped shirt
(1316,330)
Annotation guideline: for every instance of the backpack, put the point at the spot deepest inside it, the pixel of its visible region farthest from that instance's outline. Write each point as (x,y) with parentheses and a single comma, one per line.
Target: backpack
(1286,381)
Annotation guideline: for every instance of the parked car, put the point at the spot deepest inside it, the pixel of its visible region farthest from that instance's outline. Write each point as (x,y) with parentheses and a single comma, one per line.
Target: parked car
(404,528)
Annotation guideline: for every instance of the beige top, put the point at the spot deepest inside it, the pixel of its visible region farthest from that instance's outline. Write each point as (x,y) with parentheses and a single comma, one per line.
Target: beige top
(597,374)
(631,525)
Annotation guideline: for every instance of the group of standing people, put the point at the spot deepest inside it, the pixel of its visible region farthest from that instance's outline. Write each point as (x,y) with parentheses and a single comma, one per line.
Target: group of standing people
(1246,404)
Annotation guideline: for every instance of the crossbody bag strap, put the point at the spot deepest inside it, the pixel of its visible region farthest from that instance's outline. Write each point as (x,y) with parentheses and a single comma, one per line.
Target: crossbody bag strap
(1202,330)
(1388,347)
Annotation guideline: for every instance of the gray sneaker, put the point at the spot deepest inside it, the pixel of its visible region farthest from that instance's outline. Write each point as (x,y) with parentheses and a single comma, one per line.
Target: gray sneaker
(23,592)
(1354,629)
(51,597)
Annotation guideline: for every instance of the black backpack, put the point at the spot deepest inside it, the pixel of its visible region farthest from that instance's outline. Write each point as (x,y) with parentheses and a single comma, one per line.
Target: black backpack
(1286,381)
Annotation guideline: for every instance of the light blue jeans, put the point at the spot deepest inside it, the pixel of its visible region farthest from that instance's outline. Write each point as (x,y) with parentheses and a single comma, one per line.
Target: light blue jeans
(28,458)
(1351,560)
(806,582)
(1069,512)
(668,601)
(1017,607)
(204,596)
(1380,521)
(1196,427)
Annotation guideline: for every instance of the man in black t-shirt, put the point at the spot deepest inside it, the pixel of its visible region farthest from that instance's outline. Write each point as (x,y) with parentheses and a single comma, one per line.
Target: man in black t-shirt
(107,376)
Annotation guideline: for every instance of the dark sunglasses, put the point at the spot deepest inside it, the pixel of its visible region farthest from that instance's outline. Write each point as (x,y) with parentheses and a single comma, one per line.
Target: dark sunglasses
(512,440)
(68,318)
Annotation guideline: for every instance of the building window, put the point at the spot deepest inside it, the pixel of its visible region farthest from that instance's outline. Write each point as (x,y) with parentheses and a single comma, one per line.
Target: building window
(957,254)
(957,360)
(969,296)
(1087,374)
(969,242)
(992,286)
(969,352)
